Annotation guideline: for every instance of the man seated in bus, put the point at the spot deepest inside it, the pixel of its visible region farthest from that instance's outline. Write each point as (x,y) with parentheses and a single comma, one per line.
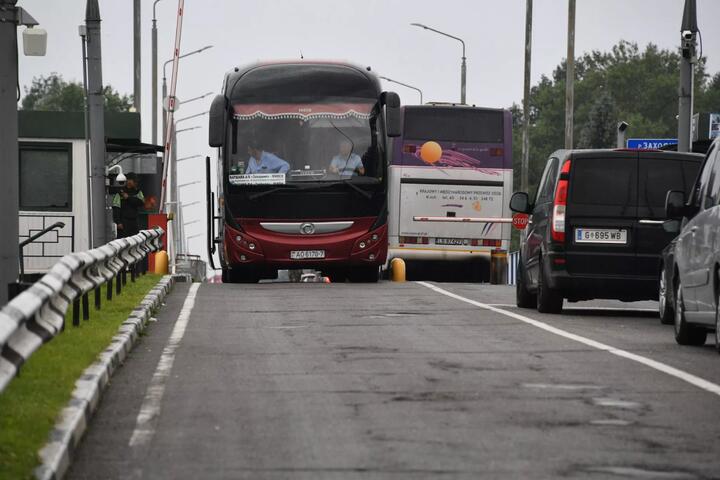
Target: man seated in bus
(264,162)
(346,163)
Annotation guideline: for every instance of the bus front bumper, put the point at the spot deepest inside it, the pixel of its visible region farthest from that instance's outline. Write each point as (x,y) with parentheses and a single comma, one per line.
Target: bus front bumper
(264,249)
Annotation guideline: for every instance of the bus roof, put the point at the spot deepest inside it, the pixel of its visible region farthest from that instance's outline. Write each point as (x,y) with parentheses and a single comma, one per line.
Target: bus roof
(326,77)
(439,105)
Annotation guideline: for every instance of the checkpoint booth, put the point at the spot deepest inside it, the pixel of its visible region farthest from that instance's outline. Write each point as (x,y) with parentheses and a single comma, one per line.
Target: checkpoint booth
(54,182)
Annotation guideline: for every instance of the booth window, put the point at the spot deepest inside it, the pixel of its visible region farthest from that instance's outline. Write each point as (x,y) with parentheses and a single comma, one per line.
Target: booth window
(46,176)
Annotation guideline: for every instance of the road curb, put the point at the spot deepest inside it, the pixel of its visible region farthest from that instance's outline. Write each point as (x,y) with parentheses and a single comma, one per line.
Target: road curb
(73,420)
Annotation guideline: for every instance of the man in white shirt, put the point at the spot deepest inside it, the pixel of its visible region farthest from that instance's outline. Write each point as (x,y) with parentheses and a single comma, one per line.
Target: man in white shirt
(346,163)
(265,162)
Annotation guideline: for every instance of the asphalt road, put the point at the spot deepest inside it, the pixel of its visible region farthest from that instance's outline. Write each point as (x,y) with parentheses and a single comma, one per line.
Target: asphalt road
(399,381)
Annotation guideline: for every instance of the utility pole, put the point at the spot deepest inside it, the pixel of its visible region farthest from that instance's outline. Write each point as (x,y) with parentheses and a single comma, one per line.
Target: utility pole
(525,166)
(82,30)
(9,194)
(154,77)
(96,111)
(688,42)
(570,76)
(137,55)
(10,17)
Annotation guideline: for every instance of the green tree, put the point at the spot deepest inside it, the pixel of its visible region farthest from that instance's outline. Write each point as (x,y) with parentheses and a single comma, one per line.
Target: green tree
(52,93)
(599,130)
(639,87)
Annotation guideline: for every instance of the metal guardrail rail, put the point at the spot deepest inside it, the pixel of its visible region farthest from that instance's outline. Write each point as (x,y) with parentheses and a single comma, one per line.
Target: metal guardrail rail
(38,314)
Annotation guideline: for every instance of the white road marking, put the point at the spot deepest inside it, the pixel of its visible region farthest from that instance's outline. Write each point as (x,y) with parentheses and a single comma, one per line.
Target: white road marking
(615,403)
(659,366)
(611,422)
(150,408)
(560,386)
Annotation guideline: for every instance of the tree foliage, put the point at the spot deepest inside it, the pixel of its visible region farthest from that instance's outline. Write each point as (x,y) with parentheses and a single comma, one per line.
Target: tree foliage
(53,93)
(625,84)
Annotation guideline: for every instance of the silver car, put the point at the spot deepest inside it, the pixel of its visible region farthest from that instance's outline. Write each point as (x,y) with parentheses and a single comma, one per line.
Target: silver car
(696,281)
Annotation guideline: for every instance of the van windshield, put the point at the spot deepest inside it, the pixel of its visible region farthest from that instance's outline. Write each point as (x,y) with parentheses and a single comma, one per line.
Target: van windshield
(658,176)
(599,181)
(621,181)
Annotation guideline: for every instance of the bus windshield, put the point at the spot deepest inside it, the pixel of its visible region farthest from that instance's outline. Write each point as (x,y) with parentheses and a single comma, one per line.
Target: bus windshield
(273,144)
(459,124)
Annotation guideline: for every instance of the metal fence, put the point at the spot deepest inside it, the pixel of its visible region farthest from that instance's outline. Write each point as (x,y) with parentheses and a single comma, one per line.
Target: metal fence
(38,314)
(512,259)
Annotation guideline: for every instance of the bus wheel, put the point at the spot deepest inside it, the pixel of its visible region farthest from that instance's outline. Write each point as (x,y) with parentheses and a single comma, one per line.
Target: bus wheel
(241,275)
(363,274)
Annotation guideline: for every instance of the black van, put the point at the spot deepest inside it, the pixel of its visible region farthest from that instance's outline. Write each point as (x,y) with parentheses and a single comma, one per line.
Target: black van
(596,225)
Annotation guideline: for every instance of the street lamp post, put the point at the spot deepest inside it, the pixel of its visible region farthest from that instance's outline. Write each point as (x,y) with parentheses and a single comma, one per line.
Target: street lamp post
(463,66)
(164,80)
(154,76)
(404,85)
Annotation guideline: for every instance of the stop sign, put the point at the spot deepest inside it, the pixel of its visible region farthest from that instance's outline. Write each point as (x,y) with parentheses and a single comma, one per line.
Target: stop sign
(520,221)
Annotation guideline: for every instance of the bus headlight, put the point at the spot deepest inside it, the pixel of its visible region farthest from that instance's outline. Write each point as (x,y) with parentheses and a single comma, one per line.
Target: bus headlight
(251,246)
(362,245)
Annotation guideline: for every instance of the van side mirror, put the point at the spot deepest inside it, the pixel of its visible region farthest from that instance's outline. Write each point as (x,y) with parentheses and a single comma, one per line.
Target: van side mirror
(391,100)
(675,204)
(218,121)
(520,203)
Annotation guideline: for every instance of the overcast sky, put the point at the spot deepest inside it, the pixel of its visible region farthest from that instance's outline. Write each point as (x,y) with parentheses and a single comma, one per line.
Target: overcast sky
(369,32)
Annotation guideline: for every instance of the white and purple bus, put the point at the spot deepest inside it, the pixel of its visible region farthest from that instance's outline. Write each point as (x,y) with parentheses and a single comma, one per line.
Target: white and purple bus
(444,211)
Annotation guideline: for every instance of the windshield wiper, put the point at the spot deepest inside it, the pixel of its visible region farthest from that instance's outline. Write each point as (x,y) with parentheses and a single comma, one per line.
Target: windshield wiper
(272,190)
(362,192)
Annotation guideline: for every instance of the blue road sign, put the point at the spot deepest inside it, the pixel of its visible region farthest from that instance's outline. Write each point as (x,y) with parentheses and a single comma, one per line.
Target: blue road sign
(650,143)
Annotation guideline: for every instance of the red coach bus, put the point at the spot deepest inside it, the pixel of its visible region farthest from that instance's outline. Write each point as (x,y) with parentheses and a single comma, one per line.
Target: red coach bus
(302,170)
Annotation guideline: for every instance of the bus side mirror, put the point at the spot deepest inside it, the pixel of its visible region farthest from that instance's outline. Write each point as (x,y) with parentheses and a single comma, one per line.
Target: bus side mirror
(520,203)
(675,204)
(392,114)
(218,119)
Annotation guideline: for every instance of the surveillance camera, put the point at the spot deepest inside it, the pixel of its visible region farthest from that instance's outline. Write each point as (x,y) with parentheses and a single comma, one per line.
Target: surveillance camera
(120,180)
(687,34)
(622,126)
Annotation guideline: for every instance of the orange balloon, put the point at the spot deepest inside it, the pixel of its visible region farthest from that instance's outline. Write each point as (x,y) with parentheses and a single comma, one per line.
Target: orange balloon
(431,152)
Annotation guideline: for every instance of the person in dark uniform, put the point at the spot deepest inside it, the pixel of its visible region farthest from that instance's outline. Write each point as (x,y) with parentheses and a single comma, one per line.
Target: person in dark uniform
(126,207)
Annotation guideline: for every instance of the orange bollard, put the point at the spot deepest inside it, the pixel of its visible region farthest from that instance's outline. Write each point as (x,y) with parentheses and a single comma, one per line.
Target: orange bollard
(161,262)
(397,270)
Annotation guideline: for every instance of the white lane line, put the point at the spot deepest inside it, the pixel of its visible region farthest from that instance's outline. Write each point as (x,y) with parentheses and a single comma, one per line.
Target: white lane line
(659,366)
(150,408)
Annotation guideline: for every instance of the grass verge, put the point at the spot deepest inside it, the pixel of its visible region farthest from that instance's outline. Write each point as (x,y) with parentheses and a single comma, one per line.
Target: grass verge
(32,401)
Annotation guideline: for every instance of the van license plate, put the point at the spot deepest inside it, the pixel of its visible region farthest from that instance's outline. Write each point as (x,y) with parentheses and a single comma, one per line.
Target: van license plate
(306,254)
(601,235)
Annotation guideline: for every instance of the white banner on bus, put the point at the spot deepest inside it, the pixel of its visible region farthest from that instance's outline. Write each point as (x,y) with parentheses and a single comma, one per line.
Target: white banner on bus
(257,179)
(452,201)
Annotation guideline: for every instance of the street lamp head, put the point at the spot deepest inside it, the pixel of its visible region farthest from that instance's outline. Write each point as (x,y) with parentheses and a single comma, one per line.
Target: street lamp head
(154,16)
(199,50)
(419,25)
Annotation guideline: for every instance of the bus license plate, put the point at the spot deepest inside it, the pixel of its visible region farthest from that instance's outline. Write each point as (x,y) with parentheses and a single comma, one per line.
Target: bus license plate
(601,235)
(450,241)
(306,254)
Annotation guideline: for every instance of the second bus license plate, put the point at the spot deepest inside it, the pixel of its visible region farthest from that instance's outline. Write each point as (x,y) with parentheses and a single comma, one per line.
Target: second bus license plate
(451,241)
(306,254)
(601,235)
